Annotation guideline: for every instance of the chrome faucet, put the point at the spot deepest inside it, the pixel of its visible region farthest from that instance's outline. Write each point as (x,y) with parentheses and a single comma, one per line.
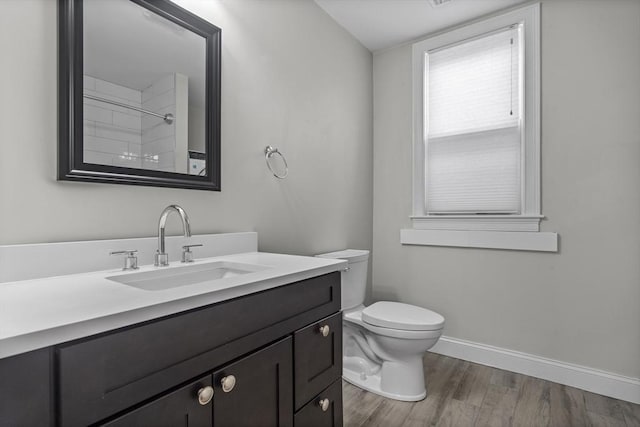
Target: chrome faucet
(162,258)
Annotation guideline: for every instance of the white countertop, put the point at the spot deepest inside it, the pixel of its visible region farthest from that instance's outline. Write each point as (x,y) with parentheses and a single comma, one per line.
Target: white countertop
(41,312)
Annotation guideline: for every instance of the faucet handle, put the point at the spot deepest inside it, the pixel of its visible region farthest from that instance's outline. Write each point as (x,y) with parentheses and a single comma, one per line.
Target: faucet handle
(130,261)
(187,255)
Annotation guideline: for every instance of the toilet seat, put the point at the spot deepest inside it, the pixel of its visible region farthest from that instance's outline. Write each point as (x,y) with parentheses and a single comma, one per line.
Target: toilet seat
(406,317)
(355,316)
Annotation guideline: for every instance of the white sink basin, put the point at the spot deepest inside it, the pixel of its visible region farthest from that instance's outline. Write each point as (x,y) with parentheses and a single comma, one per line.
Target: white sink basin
(168,277)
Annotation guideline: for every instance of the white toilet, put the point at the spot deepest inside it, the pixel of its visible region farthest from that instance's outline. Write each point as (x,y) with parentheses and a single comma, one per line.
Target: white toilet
(383,343)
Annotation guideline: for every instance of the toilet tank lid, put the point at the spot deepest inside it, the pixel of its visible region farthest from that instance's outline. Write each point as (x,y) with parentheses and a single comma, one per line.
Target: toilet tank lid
(396,315)
(351,255)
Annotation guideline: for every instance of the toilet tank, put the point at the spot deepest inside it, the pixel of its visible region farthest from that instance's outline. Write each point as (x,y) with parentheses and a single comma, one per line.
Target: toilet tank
(354,280)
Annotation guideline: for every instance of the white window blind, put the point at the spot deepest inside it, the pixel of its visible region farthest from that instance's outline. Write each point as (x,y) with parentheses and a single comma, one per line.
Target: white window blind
(473,127)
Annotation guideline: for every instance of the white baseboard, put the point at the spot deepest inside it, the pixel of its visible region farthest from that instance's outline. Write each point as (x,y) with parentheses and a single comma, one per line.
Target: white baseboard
(593,380)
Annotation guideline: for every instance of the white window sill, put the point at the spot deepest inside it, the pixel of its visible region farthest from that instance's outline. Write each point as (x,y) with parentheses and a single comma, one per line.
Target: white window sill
(513,240)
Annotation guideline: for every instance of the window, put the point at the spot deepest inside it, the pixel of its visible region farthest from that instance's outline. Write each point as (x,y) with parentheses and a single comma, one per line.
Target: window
(477,135)
(472,126)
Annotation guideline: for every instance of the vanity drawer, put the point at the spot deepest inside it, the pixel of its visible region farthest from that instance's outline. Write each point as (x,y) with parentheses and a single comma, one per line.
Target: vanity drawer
(317,353)
(313,415)
(103,375)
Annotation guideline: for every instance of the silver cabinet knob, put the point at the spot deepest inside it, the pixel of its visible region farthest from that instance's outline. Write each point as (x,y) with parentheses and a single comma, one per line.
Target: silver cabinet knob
(324,330)
(228,383)
(205,394)
(324,404)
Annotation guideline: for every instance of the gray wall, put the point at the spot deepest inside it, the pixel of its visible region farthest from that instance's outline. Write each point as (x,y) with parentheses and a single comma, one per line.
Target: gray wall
(292,78)
(580,305)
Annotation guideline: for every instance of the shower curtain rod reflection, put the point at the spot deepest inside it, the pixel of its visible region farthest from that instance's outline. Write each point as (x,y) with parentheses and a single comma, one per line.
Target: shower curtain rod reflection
(168,118)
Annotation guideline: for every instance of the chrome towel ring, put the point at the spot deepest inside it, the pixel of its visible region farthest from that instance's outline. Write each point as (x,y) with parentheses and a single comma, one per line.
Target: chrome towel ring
(269,151)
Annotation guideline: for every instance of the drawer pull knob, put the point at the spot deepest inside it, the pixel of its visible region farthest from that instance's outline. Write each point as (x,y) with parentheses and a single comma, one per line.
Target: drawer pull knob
(205,394)
(324,330)
(324,404)
(228,383)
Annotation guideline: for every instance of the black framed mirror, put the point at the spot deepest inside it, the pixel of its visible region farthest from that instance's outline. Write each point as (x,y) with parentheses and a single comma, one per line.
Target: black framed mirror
(139,94)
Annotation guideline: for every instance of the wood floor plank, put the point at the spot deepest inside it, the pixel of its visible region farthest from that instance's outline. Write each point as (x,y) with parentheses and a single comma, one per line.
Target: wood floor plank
(567,407)
(532,406)
(473,385)
(493,417)
(631,413)
(358,405)
(501,397)
(389,413)
(597,420)
(498,406)
(444,379)
(506,378)
(603,405)
(457,414)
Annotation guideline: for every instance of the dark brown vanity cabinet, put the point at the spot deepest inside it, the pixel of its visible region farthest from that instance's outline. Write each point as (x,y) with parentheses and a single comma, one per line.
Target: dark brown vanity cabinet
(272,358)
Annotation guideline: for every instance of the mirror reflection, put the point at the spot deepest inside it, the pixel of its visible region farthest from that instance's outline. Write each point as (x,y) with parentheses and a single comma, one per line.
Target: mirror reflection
(144,95)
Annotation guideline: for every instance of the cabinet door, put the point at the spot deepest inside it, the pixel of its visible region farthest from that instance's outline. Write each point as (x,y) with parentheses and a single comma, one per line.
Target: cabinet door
(324,410)
(257,390)
(25,384)
(318,357)
(179,408)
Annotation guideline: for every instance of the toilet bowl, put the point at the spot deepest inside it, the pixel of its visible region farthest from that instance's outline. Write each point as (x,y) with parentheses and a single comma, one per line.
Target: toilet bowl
(383,344)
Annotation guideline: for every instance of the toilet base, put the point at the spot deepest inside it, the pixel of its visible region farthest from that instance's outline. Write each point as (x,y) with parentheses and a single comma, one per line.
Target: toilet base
(372,383)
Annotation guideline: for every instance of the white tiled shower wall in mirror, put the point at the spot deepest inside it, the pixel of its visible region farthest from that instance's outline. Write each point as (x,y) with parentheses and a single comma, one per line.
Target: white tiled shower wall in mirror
(112,134)
(119,136)
(162,144)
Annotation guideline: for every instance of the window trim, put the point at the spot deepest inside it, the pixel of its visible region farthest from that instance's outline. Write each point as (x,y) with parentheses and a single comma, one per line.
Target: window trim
(529,218)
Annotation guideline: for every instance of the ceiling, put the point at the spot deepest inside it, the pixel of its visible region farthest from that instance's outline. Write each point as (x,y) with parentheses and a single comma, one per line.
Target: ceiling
(380,24)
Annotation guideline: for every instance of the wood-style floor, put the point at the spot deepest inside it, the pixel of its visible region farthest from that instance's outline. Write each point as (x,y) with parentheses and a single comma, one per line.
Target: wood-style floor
(461,393)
